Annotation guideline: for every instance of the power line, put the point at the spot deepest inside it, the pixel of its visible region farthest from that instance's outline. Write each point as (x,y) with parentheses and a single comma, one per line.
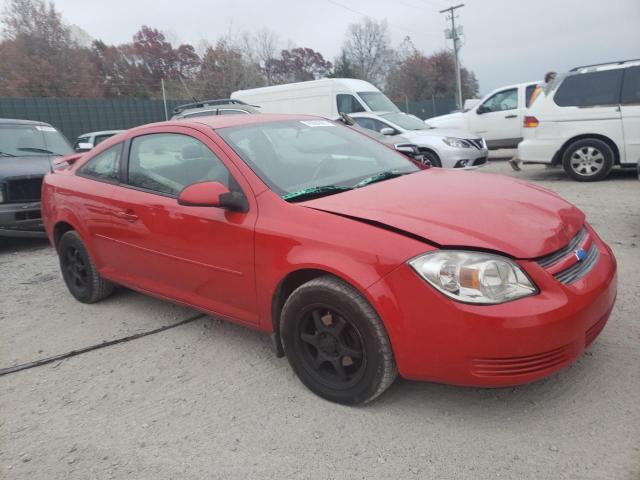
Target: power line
(454,35)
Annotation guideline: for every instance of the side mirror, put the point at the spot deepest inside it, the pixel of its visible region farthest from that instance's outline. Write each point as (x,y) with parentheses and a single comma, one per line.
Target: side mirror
(482,109)
(387,131)
(83,147)
(212,194)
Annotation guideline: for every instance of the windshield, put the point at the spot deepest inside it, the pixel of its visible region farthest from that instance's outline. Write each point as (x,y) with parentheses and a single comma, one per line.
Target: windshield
(378,102)
(294,156)
(408,122)
(30,140)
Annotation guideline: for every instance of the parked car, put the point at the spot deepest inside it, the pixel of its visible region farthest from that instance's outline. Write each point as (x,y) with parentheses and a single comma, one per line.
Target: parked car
(87,141)
(443,148)
(27,149)
(587,120)
(398,142)
(225,106)
(360,262)
(497,117)
(328,97)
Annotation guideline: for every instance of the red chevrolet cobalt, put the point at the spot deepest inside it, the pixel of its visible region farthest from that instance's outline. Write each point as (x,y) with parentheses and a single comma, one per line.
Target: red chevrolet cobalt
(361,263)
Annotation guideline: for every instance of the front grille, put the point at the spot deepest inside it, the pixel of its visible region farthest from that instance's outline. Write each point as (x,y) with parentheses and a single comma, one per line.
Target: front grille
(24,189)
(558,255)
(476,142)
(499,367)
(579,269)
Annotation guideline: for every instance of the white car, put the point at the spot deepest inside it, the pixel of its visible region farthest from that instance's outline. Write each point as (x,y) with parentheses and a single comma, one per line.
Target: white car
(497,117)
(587,120)
(443,148)
(87,141)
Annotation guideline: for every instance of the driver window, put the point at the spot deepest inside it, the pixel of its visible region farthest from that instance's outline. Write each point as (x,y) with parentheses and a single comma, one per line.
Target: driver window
(168,162)
(504,100)
(371,124)
(348,104)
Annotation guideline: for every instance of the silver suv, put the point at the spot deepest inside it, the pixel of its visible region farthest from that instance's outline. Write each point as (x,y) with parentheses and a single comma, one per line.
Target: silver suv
(226,106)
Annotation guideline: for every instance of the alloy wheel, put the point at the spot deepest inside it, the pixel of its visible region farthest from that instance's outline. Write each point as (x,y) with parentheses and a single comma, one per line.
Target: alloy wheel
(587,161)
(75,268)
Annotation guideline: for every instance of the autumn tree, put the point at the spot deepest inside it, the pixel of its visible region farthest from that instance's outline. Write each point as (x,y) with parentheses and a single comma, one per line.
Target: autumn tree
(38,56)
(298,65)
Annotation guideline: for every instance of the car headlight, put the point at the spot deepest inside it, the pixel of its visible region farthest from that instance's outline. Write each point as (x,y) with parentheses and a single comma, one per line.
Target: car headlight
(474,277)
(456,142)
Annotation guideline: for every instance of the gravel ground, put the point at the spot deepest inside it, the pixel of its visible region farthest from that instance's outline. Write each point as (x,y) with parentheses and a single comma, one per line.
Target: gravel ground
(210,400)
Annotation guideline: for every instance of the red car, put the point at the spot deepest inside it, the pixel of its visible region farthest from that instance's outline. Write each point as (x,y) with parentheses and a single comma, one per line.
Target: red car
(361,263)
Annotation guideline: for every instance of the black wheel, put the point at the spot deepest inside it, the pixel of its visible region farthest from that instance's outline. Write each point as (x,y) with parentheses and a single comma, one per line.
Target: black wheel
(588,160)
(79,272)
(433,158)
(336,343)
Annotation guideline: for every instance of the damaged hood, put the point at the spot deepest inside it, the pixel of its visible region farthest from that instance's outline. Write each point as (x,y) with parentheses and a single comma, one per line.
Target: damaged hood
(463,209)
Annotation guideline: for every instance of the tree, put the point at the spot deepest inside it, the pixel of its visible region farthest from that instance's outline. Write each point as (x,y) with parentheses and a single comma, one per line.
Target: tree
(421,77)
(298,65)
(368,49)
(38,56)
(343,68)
(224,69)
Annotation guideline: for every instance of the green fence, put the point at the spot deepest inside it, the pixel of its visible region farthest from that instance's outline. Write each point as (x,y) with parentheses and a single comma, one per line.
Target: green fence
(75,116)
(427,108)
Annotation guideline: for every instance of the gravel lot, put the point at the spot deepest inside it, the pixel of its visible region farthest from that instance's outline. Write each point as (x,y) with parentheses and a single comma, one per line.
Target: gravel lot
(209,399)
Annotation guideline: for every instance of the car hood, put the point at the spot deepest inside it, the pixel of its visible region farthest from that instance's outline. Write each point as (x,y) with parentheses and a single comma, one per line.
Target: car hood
(463,209)
(24,166)
(438,133)
(449,120)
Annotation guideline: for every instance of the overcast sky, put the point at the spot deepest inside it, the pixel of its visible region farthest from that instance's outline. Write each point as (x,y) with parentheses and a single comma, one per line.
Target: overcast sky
(505,41)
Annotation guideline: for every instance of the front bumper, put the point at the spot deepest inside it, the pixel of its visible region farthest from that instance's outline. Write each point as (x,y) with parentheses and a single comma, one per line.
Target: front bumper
(463,158)
(437,339)
(21,220)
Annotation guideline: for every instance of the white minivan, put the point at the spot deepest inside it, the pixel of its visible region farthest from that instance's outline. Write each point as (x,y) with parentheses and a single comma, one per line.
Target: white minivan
(327,97)
(587,120)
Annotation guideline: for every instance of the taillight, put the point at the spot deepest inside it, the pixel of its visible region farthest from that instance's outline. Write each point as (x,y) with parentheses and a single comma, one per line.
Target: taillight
(530,122)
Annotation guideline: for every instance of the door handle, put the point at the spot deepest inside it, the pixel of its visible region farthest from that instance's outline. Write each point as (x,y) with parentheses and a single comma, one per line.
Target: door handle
(511,116)
(128,215)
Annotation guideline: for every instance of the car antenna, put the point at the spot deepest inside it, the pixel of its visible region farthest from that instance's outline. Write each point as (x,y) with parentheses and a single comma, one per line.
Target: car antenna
(184,85)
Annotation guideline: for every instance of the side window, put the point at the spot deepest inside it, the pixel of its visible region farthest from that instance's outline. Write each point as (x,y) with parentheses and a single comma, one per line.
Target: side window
(104,166)
(168,162)
(500,101)
(528,92)
(590,89)
(371,124)
(348,104)
(631,87)
(101,138)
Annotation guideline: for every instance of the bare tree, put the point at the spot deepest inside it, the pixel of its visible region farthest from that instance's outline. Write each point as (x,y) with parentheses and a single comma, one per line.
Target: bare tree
(368,48)
(266,47)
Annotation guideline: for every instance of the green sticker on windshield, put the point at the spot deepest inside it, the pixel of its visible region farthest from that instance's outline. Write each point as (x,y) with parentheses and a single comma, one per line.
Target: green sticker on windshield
(317,123)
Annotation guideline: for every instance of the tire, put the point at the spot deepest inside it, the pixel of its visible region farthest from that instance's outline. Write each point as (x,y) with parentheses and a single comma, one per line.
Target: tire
(336,343)
(588,160)
(79,272)
(432,157)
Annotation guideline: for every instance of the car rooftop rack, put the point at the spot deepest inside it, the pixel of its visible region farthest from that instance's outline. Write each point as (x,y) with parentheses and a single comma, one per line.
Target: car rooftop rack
(620,62)
(209,103)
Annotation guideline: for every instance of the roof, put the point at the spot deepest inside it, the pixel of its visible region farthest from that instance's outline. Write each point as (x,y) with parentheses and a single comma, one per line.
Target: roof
(606,66)
(348,83)
(208,103)
(13,121)
(224,121)
(103,132)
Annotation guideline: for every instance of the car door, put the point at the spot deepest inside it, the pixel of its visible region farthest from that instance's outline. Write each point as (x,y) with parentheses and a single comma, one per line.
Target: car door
(498,119)
(202,256)
(630,111)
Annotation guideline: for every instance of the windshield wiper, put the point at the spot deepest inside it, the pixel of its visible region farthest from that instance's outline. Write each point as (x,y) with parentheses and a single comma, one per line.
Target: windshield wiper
(378,177)
(39,150)
(315,192)
(5,154)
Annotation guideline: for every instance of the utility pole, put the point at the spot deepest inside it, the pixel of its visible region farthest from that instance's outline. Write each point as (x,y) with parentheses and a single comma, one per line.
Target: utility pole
(454,35)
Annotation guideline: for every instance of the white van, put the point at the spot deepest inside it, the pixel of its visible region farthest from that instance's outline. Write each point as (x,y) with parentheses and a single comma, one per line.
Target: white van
(587,120)
(327,97)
